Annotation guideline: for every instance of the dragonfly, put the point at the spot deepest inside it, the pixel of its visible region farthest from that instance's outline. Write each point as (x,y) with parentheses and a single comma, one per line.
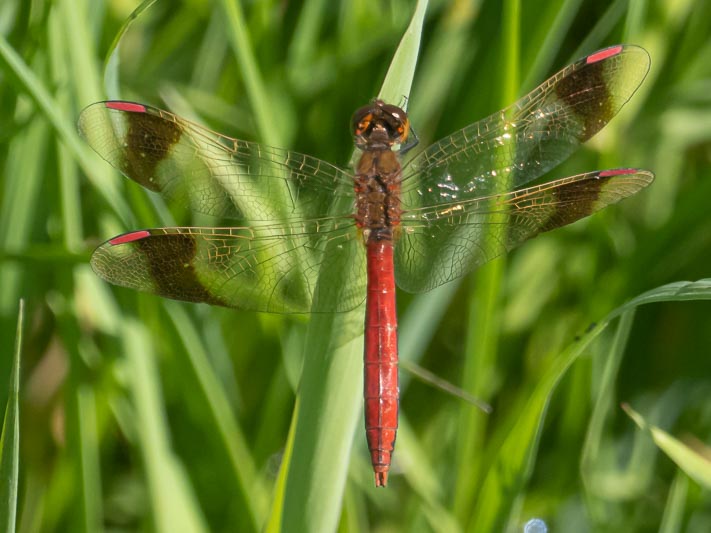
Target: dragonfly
(290,245)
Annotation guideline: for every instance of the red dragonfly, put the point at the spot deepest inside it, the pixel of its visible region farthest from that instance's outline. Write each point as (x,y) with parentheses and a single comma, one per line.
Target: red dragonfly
(451,208)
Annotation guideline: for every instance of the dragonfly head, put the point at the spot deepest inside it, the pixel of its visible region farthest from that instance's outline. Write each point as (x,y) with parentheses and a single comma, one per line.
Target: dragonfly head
(379,125)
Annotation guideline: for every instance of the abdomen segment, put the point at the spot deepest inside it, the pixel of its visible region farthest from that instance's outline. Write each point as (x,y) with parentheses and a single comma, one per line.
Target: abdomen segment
(380,359)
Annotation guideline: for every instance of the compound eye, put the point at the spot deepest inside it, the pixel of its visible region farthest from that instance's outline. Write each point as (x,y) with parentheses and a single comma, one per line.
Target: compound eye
(361,119)
(403,130)
(396,119)
(362,125)
(394,111)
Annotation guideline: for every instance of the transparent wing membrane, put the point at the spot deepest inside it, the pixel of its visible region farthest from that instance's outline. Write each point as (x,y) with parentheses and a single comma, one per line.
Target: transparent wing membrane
(463,199)
(441,243)
(269,268)
(208,172)
(520,143)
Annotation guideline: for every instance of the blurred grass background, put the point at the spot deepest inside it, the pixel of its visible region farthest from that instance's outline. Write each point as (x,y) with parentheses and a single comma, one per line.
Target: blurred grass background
(143,414)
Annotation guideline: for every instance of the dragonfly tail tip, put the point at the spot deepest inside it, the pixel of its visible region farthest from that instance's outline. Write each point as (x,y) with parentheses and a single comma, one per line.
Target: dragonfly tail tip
(381,479)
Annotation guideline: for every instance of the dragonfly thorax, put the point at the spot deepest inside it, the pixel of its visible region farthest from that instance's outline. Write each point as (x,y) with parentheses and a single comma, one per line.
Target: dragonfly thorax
(379,126)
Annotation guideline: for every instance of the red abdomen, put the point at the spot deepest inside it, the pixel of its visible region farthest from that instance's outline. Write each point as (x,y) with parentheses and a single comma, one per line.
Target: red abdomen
(380,360)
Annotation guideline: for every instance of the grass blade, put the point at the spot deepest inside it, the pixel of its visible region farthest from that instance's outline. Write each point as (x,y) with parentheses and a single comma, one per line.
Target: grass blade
(329,401)
(512,464)
(511,467)
(604,400)
(398,80)
(12,63)
(113,57)
(231,437)
(173,504)
(237,32)
(694,462)
(10,440)
(674,510)
(484,309)
(680,291)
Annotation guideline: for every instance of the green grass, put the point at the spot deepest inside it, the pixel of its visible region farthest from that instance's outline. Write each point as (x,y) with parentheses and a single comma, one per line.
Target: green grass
(143,414)
(10,437)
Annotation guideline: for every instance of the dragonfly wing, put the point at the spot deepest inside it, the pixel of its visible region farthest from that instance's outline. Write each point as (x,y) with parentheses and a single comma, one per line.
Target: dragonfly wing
(518,144)
(273,268)
(208,172)
(439,244)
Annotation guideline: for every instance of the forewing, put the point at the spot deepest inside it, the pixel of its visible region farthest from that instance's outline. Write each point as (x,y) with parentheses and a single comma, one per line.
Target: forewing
(208,172)
(273,268)
(439,244)
(520,143)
